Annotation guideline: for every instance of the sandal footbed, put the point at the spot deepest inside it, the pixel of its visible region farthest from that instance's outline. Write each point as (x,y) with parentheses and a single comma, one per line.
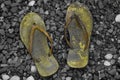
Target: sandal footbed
(77,57)
(46,65)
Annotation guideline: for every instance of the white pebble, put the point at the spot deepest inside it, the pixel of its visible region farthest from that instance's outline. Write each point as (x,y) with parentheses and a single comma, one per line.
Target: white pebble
(108,56)
(15,77)
(46,12)
(31,3)
(5,77)
(33,69)
(117,18)
(68,78)
(107,63)
(10,30)
(30,78)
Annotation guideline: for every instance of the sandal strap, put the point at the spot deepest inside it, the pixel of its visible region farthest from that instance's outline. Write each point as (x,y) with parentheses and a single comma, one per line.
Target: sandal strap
(81,25)
(35,27)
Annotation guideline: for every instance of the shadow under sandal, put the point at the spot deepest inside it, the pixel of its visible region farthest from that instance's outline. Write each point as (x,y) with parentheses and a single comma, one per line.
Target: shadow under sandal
(79,26)
(34,36)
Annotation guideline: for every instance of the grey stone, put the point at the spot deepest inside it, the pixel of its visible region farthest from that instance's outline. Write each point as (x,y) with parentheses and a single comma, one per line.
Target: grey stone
(96,77)
(31,3)
(5,76)
(45,1)
(11,30)
(9,40)
(68,78)
(2,5)
(8,2)
(112,71)
(15,77)
(117,18)
(112,61)
(100,4)
(107,63)
(1,19)
(30,78)
(14,9)
(102,75)
(108,56)
(98,42)
(2,31)
(53,28)
(41,10)
(46,12)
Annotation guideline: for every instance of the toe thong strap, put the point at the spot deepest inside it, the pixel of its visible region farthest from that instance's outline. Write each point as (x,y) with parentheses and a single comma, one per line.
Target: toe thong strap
(81,25)
(35,27)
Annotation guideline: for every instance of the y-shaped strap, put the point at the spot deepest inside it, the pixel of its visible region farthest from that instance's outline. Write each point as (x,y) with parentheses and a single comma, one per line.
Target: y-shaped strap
(35,27)
(81,25)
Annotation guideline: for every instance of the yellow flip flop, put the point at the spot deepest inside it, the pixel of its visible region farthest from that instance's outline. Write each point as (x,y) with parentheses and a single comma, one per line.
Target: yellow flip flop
(34,36)
(79,24)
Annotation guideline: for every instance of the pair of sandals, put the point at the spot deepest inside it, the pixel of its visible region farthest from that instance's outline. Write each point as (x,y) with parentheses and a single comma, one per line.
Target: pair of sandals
(34,36)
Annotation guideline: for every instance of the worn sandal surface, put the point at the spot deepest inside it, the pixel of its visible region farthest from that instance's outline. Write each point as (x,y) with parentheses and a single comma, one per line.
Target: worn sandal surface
(79,25)
(34,36)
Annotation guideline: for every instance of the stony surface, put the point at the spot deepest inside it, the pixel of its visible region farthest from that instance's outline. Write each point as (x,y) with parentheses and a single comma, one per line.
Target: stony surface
(105,39)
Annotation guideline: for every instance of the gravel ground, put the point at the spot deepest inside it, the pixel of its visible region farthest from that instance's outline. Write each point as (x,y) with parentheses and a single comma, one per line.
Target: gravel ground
(104,61)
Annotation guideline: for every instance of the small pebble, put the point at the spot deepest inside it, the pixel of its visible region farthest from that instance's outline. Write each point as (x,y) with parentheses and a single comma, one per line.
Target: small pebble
(112,61)
(10,30)
(68,78)
(98,42)
(118,41)
(45,1)
(117,18)
(30,78)
(33,69)
(15,77)
(5,77)
(46,12)
(1,19)
(112,71)
(108,56)
(2,31)
(31,3)
(107,63)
